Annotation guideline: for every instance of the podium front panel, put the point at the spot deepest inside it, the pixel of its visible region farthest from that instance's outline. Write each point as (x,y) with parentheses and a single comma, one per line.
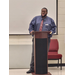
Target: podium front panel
(41,55)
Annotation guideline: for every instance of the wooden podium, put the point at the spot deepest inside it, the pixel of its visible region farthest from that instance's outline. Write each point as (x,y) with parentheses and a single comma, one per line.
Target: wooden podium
(41,53)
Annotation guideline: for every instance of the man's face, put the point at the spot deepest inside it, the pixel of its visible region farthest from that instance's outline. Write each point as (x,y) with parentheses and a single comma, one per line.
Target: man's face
(43,12)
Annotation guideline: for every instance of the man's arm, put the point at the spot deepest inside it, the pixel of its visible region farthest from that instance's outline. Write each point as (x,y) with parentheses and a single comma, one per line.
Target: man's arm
(53,27)
(31,26)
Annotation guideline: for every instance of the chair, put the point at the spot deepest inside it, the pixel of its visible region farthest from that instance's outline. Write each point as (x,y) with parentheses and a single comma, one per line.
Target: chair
(53,52)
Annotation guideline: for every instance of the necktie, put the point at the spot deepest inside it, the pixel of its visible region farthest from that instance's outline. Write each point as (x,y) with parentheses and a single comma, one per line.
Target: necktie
(41,25)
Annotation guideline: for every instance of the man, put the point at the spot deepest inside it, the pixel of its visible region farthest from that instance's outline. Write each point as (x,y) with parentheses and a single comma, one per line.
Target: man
(41,23)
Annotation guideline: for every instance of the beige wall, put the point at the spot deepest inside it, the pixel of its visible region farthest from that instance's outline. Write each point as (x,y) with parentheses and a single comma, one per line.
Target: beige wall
(26,39)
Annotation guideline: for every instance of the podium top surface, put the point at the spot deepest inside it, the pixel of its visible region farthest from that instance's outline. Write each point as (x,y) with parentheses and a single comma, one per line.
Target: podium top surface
(41,34)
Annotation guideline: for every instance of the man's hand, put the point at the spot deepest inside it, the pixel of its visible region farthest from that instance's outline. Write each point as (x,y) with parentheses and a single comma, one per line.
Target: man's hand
(31,32)
(50,32)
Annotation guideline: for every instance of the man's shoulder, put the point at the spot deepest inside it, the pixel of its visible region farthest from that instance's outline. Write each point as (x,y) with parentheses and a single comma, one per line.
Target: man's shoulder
(37,16)
(49,18)
(34,18)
